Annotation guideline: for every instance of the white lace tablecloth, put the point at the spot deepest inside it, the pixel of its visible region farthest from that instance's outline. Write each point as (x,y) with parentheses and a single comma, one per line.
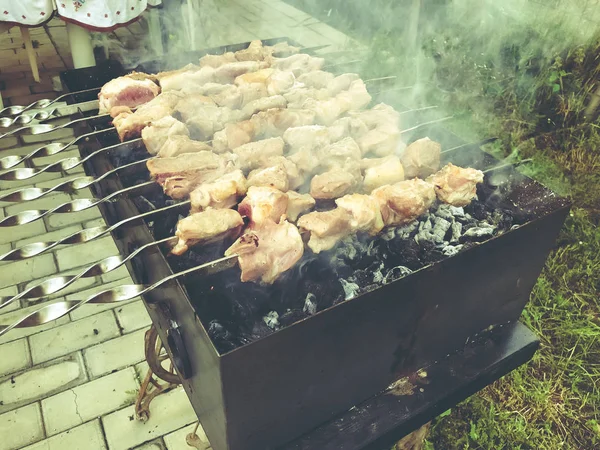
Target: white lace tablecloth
(95,15)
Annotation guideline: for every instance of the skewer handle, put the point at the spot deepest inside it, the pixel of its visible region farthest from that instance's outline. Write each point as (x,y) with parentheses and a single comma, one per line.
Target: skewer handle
(41,104)
(57,310)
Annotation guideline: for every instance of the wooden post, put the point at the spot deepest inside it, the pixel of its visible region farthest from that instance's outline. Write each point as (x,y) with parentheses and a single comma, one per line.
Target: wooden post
(30,53)
(80,42)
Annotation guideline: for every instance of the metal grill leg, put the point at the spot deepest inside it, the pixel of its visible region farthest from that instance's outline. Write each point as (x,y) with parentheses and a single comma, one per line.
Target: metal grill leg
(151,387)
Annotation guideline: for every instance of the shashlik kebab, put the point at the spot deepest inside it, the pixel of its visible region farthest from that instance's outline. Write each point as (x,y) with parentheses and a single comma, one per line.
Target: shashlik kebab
(138,88)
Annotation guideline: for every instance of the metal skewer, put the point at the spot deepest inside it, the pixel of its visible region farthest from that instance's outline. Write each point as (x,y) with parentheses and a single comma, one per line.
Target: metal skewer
(79,237)
(119,294)
(53,285)
(44,114)
(46,150)
(75,184)
(42,128)
(40,104)
(60,166)
(77,205)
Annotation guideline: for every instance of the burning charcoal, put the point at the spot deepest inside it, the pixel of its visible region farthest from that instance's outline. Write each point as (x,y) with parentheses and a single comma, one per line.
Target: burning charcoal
(440,229)
(477,234)
(444,212)
(272,320)
(378,274)
(456,232)
(310,304)
(405,231)
(452,250)
(350,289)
(395,273)
(223,339)
(405,252)
(477,209)
(292,316)
(425,225)
(457,211)
(502,219)
(388,235)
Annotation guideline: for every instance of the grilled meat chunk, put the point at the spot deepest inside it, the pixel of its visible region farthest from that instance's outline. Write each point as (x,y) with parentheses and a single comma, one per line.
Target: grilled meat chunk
(130,124)
(274,176)
(259,153)
(455,185)
(326,228)
(263,203)
(157,133)
(205,227)
(332,184)
(298,204)
(220,194)
(336,154)
(181,174)
(306,137)
(130,90)
(178,145)
(381,171)
(403,202)
(298,64)
(215,61)
(267,250)
(364,212)
(421,158)
(270,123)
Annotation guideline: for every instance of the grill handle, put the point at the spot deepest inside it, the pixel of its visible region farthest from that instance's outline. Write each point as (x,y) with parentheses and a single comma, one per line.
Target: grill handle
(179,355)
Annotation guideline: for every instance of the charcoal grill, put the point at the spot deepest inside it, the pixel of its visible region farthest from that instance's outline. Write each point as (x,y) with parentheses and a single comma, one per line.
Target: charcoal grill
(271,390)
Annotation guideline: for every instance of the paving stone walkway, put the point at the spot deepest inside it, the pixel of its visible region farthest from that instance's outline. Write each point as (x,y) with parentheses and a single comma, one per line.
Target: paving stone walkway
(71,384)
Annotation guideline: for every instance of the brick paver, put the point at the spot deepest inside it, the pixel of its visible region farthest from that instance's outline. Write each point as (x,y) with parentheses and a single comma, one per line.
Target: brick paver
(60,366)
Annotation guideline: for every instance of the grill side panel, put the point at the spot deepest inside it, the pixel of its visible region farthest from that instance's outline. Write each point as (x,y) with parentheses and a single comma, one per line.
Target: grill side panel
(281,386)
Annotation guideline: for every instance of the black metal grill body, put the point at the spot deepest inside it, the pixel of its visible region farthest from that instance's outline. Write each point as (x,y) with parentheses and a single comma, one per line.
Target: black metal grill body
(268,392)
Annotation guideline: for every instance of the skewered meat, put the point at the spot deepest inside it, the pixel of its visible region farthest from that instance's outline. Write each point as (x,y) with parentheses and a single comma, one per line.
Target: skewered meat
(455,185)
(263,203)
(131,90)
(284,49)
(227,73)
(205,227)
(308,136)
(257,77)
(327,111)
(337,153)
(280,82)
(263,104)
(297,97)
(347,126)
(295,176)
(178,145)
(130,124)
(382,171)
(220,194)
(185,77)
(235,97)
(317,79)
(298,204)
(155,135)
(257,154)
(270,123)
(181,174)
(267,250)
(215,61)
(275,177)
(209,119)
(403,202)
(364,212)
(255,52)
(421,158)
(298,64)
(379,114)
(211,90)
(332,184)
(188,105)
(326,228)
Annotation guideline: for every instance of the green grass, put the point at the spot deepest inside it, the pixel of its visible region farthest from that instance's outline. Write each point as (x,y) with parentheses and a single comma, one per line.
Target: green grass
(528,83)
